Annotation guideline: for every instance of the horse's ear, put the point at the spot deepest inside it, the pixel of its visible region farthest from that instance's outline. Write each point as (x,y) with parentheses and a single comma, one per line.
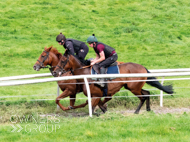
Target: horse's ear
(48,49)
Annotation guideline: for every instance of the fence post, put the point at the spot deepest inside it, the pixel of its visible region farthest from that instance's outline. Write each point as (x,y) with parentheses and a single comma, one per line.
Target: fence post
(58,95)
(161,93)
(89,96)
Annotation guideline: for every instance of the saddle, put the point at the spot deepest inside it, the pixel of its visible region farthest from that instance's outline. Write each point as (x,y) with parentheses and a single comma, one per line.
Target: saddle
(97,68)
(112,69)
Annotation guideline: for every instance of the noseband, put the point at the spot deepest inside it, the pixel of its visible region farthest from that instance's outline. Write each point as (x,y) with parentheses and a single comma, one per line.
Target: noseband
(42,63)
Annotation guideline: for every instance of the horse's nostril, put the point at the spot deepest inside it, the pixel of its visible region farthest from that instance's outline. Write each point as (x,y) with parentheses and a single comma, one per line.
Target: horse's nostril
(34,67)
(54,73)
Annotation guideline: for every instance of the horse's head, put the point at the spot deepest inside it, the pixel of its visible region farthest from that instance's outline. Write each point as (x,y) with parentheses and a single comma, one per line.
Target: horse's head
(67,62)
(50,56)
(63,66)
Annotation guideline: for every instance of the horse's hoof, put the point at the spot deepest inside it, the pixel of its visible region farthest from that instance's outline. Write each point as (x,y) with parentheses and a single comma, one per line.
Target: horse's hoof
(136,112)
(148,109)
(104,111)
(97,114)
(105,106)
(70,107)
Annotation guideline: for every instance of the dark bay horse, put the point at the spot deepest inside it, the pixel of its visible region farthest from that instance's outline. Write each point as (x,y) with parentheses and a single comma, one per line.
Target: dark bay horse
(50,56)
(70,63)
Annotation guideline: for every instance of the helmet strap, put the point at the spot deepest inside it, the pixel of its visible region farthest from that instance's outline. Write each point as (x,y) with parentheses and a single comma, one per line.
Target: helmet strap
(94,44)
(62,41)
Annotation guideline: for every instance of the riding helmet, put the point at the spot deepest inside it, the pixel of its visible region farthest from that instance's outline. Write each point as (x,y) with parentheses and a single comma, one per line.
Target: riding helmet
(60,37)
(92,39)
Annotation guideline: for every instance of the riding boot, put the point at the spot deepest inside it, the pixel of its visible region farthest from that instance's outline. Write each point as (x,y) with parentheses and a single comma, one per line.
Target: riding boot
(102,80)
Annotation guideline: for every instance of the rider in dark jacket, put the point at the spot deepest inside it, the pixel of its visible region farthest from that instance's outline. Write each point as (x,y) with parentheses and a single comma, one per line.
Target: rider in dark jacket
(77,48)
(105,55)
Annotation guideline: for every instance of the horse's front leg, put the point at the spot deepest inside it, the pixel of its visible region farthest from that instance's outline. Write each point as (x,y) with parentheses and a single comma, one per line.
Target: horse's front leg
(94,104)
(72,99)
(102,106)
(79,106)
(65,94)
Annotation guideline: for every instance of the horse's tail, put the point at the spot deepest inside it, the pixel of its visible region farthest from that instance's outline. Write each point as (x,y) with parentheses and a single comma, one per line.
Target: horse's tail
(168,88)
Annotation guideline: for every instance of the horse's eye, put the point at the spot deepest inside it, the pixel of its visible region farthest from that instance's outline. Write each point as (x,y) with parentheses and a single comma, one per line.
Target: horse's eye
(43,56)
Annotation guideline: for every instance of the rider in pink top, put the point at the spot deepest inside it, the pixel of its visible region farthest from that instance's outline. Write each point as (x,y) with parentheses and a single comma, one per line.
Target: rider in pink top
(105,55)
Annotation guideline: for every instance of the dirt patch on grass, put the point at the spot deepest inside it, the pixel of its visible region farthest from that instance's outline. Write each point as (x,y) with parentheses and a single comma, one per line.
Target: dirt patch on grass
(160,110)
(171,110)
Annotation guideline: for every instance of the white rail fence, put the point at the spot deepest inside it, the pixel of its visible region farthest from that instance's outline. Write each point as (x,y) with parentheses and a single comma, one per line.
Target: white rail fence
(58,92)
(5,81)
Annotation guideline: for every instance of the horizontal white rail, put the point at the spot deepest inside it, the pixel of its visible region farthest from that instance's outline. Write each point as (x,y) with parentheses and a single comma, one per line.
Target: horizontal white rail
(21,82)
(170,70)
(25,76)
(49,74)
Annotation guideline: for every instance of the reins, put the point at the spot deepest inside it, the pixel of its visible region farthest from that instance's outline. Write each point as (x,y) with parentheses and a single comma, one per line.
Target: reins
(84,67)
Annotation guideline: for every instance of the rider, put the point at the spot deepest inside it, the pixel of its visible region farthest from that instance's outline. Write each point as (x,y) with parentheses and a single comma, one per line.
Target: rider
(74,47)
(105,55)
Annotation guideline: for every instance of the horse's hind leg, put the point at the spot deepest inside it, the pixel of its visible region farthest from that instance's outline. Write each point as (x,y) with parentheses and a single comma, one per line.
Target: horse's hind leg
(142,100)
(145,92)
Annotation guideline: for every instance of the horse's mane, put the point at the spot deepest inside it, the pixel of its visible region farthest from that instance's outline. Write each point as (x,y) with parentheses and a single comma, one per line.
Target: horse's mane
(68,54)
(55,51)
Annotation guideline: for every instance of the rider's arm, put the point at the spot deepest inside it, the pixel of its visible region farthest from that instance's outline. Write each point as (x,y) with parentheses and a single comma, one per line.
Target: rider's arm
(99,59)
(69,46)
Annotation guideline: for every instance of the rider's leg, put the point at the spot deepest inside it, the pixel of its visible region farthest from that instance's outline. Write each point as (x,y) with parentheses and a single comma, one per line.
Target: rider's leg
(82,54)
(102,80)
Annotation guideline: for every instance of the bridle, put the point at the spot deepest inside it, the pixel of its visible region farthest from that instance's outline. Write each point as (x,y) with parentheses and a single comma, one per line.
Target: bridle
(46,57)
(63,63)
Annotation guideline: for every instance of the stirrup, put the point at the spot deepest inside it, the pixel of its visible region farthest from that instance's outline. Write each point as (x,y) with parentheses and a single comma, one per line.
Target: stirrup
(101,83)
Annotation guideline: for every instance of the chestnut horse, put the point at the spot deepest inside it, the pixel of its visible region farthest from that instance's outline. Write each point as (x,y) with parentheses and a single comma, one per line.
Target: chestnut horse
(50,56)
(70,63)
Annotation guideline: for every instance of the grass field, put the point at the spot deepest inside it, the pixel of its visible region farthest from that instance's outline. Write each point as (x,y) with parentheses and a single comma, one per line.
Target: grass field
(153,33)
(109,127)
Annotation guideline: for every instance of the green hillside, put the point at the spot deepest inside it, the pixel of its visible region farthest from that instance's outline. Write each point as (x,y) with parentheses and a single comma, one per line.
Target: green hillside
(154,33)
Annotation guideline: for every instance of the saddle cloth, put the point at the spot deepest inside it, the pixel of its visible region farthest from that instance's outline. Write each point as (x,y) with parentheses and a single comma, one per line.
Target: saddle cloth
(109,70)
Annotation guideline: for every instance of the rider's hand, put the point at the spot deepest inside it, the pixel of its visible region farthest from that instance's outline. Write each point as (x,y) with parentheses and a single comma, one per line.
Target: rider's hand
(92,63)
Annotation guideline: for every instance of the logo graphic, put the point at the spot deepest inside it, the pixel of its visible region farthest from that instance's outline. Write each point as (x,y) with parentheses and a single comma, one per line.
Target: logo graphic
(15,128)
(40,123)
